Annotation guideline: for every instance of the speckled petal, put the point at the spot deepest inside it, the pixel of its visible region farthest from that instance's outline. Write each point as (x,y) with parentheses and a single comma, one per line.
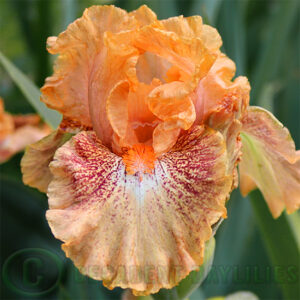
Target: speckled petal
(35,162)
(143,234)
(270,161)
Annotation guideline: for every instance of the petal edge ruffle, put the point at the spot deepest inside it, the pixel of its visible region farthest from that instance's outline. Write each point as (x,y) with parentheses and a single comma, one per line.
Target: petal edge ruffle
(117,225)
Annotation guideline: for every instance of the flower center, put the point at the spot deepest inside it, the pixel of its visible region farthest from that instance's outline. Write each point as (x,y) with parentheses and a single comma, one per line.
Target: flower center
(139,159)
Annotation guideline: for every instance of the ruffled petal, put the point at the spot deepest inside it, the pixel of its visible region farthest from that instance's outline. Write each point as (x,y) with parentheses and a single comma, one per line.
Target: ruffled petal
(144,15)
(270,161)
(183,50)
(217,93)
(170,103)
(122,229)
(192,27)
(37,157)
(81,51)
(118,65)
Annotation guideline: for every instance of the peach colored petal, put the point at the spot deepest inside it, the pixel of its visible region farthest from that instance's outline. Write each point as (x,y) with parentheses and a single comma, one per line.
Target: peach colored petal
(117,65)
(169,102)
(120,229)
(150,66)
(141,121)
(19,139)
(144,15)
(192,27)
(7,124)
(188,54)
(81,51)
(216,91)
(28,119)
(164,139)
(117,108)
(270,160)
(247,184)
(37,157)
(210,37)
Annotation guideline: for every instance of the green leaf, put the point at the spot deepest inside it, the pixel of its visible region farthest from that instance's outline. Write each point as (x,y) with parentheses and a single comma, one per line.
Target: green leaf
(281,244)
(208,9)
(271,53)
(232,29)
(31,92)
(191,283)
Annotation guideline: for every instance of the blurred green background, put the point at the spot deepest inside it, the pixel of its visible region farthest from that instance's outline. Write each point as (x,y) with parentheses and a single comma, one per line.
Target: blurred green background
(253,251)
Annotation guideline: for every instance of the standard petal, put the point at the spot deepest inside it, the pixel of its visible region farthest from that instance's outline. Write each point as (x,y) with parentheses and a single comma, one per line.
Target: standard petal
(143,234)
(164,139)
(81,51)
(35,162)
(170,102)
(144,15)
(270,161)
(184,51)
(217,92)
(117,108)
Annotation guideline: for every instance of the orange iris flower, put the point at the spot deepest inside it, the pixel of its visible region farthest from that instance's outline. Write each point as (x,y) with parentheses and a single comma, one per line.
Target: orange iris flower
(146,156)
(17,131)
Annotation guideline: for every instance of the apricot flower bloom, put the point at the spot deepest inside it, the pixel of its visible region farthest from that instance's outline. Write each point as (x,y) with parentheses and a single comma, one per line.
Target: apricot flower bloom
(146,155)
(17,131)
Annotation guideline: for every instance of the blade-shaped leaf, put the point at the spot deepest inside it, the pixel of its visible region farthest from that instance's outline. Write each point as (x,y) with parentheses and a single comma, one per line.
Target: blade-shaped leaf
(281,244)
(31,92)
(271,53)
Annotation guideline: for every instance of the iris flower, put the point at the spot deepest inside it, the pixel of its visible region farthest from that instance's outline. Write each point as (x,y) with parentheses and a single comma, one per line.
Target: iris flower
(17,131)
(146,156)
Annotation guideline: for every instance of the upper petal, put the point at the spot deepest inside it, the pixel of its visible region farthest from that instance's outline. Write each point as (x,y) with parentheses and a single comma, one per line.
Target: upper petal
(121,229)
(270,161)
(81,51)
(217,92)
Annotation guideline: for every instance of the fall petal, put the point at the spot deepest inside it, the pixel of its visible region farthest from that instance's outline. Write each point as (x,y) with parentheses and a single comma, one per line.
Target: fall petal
(118,227)
(35,162)
(270,160)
